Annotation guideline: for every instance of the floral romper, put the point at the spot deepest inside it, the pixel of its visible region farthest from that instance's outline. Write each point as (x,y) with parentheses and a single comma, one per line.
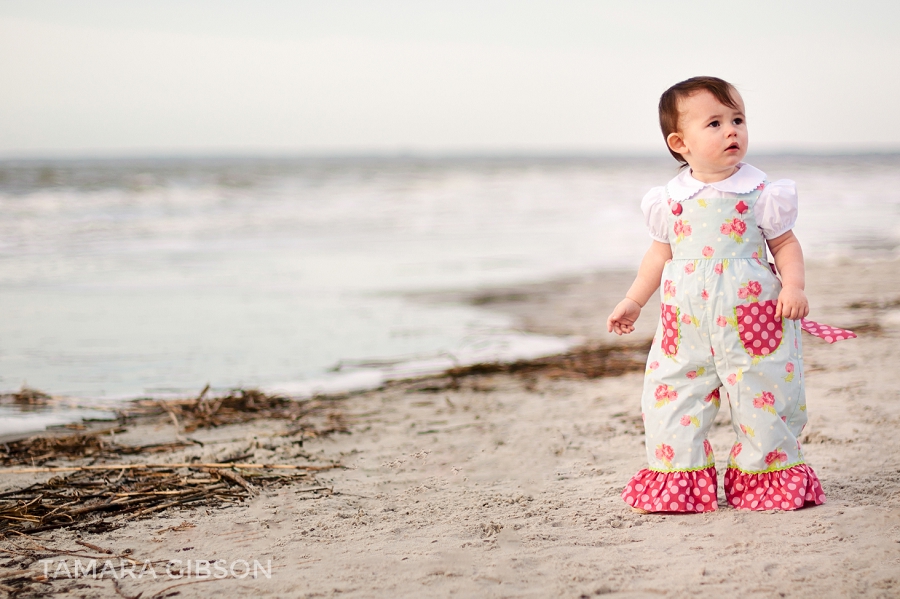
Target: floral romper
(718,339)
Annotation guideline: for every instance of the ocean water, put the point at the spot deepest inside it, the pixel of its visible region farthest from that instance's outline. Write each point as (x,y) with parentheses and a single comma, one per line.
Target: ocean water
(126,278)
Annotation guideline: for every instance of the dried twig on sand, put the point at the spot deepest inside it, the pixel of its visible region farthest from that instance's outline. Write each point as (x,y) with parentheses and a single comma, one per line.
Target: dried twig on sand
(116,467)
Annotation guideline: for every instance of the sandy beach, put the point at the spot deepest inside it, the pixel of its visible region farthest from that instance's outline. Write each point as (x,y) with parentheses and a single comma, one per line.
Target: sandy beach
(507,484)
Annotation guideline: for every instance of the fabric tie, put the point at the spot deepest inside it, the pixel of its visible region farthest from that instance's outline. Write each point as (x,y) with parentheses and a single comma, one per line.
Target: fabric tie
(823,331)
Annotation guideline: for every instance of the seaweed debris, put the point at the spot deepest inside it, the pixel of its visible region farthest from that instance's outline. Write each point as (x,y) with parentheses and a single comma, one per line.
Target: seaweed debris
(41,449)
(103,493)
(27,396)
(585,362)
(313,417)
(875,305)
(309,418)
(98,500)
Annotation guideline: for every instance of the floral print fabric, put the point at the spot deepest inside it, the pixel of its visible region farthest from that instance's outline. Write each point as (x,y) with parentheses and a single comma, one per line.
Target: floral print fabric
(718,339)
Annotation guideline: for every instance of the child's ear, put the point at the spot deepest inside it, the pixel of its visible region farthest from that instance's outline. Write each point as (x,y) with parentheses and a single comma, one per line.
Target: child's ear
(676,143)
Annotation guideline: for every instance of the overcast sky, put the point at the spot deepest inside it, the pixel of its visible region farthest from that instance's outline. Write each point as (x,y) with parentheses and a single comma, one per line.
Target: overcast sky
(82,77)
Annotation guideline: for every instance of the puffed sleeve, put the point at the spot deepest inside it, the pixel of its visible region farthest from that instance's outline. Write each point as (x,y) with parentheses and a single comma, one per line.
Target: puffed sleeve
(654,207)
(776,208)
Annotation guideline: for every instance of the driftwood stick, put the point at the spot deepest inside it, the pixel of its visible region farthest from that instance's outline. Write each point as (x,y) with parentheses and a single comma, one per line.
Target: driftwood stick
(235,478)
(94,547)
(157,466)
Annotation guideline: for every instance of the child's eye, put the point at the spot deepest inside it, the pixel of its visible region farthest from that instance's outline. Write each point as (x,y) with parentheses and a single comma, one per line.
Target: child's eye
(714,124)
(738,121)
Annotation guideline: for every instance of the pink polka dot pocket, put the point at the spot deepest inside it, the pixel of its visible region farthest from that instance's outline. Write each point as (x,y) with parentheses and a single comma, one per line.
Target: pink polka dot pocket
(760,332)
(671,334)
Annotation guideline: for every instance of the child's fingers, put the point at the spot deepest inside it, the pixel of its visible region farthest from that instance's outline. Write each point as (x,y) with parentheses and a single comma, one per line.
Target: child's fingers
(622,328)
(611,325)
(778,310)
(795,312)
(612,322)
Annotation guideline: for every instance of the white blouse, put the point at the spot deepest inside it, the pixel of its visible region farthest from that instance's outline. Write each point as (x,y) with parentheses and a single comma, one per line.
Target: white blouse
(775,210)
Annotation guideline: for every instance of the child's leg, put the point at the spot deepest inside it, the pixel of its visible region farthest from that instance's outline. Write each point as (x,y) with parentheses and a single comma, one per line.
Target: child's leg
(679,404)
(766,469)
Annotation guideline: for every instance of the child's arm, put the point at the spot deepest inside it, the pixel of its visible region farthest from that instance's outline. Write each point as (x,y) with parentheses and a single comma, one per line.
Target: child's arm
(788,255)
(622,319)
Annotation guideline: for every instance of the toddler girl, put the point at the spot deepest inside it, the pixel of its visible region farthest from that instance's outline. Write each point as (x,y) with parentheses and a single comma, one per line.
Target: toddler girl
(728,323)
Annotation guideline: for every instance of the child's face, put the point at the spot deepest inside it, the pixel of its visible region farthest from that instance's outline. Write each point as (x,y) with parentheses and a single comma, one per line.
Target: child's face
(712,137)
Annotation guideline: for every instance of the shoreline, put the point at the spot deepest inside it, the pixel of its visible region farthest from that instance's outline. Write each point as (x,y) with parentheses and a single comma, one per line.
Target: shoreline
(528,339)
(553,316)
(578,305)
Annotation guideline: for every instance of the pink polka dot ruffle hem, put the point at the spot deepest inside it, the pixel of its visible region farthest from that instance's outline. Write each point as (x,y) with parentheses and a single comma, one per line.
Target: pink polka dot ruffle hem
(693,491)
(788,489)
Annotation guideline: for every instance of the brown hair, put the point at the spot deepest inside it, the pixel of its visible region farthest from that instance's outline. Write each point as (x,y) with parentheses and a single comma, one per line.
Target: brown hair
(668,103)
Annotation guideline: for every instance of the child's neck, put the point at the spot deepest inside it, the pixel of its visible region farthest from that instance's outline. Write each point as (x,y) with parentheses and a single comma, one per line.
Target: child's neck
(713,176)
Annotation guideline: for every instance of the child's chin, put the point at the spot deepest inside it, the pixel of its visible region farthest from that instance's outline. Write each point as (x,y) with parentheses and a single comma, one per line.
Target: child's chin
(732,159)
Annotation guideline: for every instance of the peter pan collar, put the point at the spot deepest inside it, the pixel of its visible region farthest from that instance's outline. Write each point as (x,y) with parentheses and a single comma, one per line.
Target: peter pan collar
(746,179)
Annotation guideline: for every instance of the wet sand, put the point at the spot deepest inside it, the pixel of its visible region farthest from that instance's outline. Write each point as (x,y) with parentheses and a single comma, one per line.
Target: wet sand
(507,485)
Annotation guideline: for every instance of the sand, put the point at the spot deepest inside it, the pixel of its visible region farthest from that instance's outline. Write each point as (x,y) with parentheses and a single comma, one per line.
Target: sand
(509,486)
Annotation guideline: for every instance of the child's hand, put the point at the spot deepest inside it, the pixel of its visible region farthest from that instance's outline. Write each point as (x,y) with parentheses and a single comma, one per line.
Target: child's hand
(622,319)
(792,304)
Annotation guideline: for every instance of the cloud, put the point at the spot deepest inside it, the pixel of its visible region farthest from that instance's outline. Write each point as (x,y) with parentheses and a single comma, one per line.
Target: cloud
(375,81)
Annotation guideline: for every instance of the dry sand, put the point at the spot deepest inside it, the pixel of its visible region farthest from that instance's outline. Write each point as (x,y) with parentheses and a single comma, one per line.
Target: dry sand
(509,486)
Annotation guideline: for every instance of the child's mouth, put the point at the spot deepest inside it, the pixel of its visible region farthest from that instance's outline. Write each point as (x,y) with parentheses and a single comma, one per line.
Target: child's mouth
(732,147)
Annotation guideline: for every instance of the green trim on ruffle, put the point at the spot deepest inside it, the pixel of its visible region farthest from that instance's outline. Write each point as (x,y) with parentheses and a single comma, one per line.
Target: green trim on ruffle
(768,471)
(707,467)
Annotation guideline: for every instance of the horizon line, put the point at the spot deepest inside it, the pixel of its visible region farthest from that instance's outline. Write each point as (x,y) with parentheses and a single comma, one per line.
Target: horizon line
(400,155)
